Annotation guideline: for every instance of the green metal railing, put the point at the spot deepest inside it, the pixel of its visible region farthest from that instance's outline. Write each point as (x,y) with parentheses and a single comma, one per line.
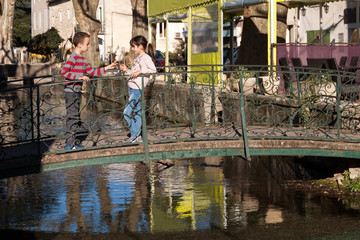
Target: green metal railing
(233,103)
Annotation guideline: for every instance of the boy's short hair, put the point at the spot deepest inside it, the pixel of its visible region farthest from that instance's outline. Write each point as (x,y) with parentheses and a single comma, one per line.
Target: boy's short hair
(79,38)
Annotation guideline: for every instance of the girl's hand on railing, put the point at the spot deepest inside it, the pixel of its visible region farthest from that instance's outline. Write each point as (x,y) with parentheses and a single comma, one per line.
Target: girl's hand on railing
(135,74)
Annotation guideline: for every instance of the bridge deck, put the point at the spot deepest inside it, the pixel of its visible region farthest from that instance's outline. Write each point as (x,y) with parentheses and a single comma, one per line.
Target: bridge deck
(107,148)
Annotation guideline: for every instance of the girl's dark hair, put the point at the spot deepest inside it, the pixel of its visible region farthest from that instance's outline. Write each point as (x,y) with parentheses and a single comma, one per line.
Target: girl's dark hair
(141,40)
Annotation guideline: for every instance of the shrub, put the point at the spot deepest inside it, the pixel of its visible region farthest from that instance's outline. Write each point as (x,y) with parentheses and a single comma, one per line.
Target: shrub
(352,184)
(46,43)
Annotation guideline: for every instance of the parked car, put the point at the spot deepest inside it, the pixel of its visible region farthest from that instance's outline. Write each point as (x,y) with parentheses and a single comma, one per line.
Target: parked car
(159,60)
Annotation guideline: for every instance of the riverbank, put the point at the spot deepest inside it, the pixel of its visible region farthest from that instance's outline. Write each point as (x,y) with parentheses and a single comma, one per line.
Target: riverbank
(329,187)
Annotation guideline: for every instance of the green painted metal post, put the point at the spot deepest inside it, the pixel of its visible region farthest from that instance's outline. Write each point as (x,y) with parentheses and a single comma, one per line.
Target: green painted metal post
(38,118)
(213,108)
(31,108)
(192,104)
(144,125)
(243,119)
(338,112)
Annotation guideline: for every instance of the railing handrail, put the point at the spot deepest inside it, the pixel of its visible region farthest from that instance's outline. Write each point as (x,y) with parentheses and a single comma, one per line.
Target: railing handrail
(190,111)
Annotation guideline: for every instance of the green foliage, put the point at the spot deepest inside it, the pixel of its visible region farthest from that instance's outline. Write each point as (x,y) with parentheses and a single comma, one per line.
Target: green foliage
(177,57)
(351,202)
(45,43)
(23,4)
(242,72)
(310,96)
(238,73)
(352,184)
(22,27)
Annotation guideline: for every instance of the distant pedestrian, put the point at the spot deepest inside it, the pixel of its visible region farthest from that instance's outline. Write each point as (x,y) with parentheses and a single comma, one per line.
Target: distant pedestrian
(75,69)
(144,63)
(69,49)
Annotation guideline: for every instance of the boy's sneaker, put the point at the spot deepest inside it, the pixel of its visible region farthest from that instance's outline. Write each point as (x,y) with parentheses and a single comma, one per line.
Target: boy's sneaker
(67,147)
(77,146)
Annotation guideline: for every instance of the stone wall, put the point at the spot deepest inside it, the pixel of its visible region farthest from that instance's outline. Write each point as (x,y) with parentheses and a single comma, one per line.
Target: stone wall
(176,102)
(18,71)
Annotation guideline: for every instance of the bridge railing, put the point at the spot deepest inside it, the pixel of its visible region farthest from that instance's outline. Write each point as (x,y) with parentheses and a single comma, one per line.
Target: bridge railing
(206,103)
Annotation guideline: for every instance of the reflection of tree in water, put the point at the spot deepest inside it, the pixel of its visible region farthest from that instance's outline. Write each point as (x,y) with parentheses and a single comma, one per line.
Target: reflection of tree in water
(23,199)
(249,204)
(138,212)
(74,216)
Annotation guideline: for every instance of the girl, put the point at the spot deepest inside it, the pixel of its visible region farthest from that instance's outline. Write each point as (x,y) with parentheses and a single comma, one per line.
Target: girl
(143,64)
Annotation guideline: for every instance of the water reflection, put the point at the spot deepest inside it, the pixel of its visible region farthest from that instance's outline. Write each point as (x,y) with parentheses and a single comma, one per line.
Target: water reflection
(214,196)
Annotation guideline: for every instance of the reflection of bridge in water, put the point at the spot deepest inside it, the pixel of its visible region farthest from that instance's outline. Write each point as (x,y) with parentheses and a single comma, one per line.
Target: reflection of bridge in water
(187,116)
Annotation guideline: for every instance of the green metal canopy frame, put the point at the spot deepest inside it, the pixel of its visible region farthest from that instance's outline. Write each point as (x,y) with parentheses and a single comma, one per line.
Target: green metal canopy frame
(160,10)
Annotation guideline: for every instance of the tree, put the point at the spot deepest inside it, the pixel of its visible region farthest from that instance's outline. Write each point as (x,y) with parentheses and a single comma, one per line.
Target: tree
(7,9)
(140,22)
(22,27)
(85,13)
(45,43)
(253,49)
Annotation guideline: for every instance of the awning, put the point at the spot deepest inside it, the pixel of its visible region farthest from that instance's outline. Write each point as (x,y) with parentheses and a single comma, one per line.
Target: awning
(157,7)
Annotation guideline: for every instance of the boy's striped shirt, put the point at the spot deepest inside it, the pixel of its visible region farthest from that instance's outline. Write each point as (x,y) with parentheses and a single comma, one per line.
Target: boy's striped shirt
(76,66)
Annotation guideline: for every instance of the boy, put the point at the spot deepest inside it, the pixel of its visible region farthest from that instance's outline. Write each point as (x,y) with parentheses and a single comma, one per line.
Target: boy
(75,69)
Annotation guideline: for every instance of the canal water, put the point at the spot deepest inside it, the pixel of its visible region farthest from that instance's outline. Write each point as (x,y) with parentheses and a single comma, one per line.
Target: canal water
(203,198)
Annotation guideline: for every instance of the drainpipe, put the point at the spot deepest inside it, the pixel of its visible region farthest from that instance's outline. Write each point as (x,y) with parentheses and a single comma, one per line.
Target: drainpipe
(189,43)
(357,22)
(320,22)
(232,39)
(272,32)
(167,40)
(221,35)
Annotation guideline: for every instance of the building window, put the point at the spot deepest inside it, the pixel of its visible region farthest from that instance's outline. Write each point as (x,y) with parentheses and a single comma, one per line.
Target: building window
(52,22)
(60,16)
(45,19)
(162,29)
(68,13)
(39,20)
(34,21)
(177,35)
(341,37)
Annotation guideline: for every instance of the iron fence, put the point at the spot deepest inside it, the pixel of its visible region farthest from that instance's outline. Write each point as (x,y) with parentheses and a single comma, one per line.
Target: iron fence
(185,103)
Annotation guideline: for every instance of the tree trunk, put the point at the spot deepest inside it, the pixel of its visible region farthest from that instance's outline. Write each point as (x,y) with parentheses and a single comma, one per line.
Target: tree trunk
(254,41)
(6,23)
(85,12)
(140,22)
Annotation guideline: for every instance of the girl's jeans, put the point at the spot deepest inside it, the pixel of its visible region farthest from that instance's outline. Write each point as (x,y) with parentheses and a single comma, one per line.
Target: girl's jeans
(132,112)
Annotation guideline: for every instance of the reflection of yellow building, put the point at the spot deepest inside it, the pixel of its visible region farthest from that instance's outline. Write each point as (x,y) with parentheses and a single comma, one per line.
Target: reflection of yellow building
(274,215)
(201,202)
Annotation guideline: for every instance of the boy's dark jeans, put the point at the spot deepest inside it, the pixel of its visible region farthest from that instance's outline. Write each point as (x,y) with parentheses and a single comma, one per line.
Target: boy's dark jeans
(72,100)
